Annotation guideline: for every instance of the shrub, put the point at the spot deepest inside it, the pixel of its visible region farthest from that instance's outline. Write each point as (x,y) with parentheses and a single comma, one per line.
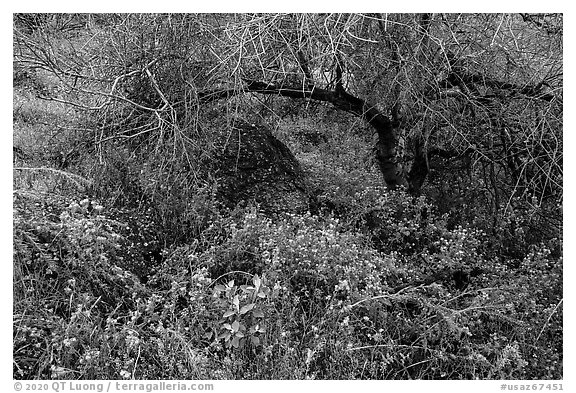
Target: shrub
(66,279)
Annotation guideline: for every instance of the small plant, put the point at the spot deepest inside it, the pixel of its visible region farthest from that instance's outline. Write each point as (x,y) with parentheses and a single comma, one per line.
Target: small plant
(85,207)
(243,319)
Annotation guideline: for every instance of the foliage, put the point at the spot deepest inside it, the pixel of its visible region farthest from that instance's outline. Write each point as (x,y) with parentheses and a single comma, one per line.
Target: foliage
(66,277)
(330,303)
(127,266)
(242,323)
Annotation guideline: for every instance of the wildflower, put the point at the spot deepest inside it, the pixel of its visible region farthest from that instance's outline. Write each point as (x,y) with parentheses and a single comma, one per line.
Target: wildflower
(58,371)
(90,355)
(345,321)
(68,342)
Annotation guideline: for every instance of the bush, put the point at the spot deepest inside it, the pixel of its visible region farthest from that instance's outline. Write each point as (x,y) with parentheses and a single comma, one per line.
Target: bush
(66,279)
(300,296)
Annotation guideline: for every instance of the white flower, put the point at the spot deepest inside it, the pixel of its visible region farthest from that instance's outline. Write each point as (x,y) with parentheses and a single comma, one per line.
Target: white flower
(58,371)
(84,203)
(69,341)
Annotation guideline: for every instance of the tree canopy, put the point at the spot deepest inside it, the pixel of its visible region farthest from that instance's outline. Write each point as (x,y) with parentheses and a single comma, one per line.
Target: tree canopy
(485,89)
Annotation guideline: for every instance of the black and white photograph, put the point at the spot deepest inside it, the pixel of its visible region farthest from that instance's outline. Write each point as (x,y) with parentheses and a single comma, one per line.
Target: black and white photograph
(287,196)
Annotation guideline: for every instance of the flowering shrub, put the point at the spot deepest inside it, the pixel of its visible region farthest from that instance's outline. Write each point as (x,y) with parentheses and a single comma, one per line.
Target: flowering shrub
(65,268)
(383,291)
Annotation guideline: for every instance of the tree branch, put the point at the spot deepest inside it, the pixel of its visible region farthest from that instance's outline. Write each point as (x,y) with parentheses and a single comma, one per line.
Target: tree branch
(543,25)
(534,91)
(309,81)
(339,84)
(385,148)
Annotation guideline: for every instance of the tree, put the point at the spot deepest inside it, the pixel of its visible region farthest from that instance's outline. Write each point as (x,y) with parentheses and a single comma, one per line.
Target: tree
(482,92)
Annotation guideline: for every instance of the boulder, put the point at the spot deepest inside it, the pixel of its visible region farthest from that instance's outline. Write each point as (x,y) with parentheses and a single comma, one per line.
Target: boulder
(254,166)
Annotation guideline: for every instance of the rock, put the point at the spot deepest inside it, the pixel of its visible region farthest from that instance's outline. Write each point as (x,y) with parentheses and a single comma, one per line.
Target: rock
(254,166)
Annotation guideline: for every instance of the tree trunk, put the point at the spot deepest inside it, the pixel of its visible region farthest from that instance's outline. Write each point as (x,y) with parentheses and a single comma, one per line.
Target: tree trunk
(386,145)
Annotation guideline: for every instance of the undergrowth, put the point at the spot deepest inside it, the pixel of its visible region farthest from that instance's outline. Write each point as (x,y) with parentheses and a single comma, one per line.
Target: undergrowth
(125,266)
(302,296)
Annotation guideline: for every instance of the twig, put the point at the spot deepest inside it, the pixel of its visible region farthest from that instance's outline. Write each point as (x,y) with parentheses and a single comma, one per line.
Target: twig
(76,179)
(548,320)
(226,274)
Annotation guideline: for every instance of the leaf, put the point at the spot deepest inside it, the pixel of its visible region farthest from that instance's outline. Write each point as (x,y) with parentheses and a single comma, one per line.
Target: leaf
(231,284)
(235,326)
(263,292)
(239,334)
(257,281)
(229,313)
(257,313)
(255,340)
(227,326)
(246,308)
(225,336)
(235,342)
(220,288)
(236,302)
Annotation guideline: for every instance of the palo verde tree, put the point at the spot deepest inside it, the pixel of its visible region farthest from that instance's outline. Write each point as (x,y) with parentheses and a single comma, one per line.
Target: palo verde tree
(480,92)
(478,87)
